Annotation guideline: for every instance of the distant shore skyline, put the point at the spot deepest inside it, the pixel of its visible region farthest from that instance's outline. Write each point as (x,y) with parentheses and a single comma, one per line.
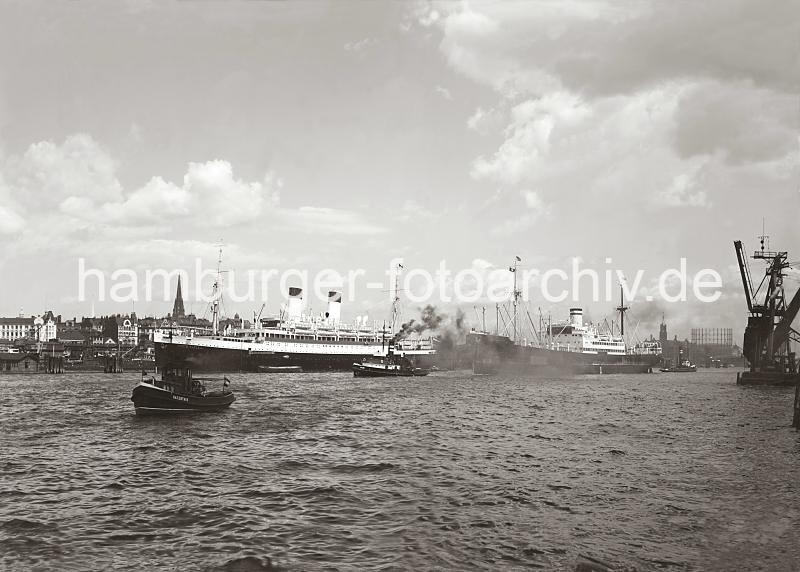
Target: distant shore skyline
(339,135)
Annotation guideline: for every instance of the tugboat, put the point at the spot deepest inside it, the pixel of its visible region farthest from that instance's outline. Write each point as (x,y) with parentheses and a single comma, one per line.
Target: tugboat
(389,365)
(178,392)
(683,365)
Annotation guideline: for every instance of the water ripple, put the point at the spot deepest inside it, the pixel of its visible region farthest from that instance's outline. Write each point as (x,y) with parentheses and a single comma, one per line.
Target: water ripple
(455,472)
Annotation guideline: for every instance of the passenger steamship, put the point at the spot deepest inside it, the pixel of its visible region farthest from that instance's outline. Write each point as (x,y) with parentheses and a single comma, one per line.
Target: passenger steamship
(291,342)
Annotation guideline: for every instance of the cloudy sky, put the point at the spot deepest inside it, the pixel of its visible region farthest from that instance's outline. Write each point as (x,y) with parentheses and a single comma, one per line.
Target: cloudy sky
(313,134)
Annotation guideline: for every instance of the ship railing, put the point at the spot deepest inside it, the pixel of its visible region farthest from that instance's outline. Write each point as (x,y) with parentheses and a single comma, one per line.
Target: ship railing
(759,254)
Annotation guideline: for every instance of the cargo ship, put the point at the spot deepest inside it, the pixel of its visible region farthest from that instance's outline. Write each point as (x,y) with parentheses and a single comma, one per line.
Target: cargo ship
(571,348)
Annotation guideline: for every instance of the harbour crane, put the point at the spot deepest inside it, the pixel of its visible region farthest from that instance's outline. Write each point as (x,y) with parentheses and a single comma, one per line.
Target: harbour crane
(769,331)
(257,317)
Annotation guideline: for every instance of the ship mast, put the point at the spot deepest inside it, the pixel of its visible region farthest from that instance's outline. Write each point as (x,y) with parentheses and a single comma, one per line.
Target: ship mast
(622,308)
(396,299)
(215,296)
(515,294)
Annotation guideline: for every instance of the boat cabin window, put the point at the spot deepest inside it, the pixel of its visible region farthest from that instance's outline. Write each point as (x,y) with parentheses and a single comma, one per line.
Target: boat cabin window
(178,373)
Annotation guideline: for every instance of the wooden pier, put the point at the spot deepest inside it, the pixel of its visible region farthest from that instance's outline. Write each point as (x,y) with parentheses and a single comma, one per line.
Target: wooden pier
(113,364)
(52,364)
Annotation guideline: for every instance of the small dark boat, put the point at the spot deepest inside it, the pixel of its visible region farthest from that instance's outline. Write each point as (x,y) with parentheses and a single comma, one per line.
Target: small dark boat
(389,365)
(179,392)
(684,367)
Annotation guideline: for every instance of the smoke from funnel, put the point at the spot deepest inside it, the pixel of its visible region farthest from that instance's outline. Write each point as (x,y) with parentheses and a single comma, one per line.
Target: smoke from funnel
(449,329)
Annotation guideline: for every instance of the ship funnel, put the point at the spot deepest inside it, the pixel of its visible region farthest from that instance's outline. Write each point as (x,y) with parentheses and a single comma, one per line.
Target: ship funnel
(334,312)
(294,309)
(576,317)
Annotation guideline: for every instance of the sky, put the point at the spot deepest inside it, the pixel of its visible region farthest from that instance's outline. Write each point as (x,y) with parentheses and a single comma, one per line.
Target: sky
(343,135)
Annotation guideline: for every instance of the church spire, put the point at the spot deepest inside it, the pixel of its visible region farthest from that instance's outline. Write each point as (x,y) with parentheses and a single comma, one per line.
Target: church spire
(177,309)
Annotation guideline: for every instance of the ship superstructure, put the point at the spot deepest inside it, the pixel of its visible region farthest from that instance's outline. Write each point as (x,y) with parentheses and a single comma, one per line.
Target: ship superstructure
(574,336)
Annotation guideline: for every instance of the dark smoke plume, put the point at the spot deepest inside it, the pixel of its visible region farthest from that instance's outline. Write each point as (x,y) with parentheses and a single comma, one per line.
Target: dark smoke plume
(449,329)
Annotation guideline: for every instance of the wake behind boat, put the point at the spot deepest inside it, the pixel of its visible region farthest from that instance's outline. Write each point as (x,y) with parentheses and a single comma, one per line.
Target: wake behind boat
(179,392)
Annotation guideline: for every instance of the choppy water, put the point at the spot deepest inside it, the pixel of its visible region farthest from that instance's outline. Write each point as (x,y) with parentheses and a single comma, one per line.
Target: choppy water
(674,472)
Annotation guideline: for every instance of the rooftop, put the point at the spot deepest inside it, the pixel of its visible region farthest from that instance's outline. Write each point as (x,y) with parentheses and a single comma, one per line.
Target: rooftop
(12,356)
(16,321)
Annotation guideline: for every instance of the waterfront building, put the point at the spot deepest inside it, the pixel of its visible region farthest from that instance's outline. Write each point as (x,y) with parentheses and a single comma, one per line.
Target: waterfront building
(17,362)
(16,328)
(128,330)
(74,341)
(45,328)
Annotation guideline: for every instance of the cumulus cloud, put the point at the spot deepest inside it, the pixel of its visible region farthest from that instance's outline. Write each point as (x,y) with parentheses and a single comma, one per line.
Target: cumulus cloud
(601,47)
(78,178)
(157,199)
(71,190)
(614,148)
(209,192)
(485,120)
(744,122)
(48,175)
(647,102)
(528,136)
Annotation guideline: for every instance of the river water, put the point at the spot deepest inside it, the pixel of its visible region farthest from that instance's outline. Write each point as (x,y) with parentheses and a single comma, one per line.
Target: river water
(452,471)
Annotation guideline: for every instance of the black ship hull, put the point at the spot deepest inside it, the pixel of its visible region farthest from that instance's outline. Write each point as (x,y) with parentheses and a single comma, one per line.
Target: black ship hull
(207,359)
(150,400)
(496,354)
